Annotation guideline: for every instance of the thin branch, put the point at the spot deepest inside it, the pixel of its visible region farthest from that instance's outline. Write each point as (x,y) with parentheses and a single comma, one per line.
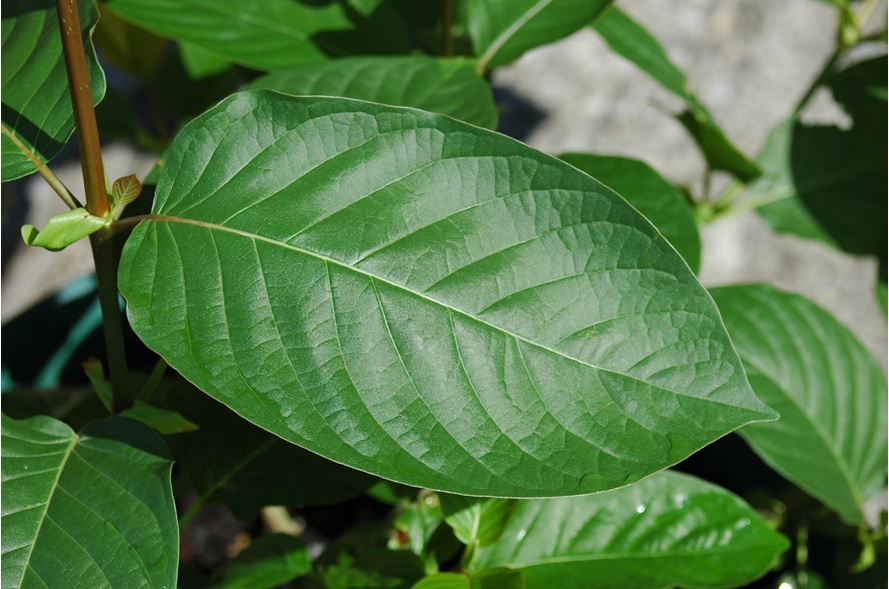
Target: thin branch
(44,171)
(447,39)
(84,113)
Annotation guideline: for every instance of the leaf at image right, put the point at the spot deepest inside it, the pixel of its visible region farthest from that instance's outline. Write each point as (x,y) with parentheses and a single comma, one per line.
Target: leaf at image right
(831,438)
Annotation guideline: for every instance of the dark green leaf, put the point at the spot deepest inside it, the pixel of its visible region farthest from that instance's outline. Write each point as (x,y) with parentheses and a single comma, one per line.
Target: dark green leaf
(230,461)
(827,183)
(96,373)
(502,30)
(498,578)
(95,507)
(443,581)
(268,562)
(447,86)
(264,34)
(831,438)
(160,420)
(630,40)
(669,529)
(128,47)
(36,104)
(661,202)
(427,301)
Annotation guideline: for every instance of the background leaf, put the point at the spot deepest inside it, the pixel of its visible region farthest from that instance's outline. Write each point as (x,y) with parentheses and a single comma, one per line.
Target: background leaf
(831,438)
(264,34)
(271,560)
(476,520)
(446,86)
(428,301)
(827,183)
(98,503)
(36,103)
(669,529)
(661,202)
(502,30)
(230,461)
(630,40)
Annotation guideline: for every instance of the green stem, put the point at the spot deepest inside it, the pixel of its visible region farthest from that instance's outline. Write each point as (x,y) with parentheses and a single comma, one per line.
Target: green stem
(447,41)
(57,185)
(825,73)
(104,253)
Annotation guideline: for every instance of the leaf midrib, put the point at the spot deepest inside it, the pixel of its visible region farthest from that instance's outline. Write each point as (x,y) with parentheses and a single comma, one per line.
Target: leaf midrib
(504,37)
(340,264)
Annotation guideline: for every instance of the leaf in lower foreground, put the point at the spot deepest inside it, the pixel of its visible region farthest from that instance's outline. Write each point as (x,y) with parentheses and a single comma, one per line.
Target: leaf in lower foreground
(669,529)
(661,202)
(427,301)
(96,507)
(270,561)
(36,105)
(831,438)
(448,86)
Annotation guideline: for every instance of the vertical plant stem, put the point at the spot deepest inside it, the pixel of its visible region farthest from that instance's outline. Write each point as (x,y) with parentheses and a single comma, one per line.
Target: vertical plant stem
(104,253)
(447,16)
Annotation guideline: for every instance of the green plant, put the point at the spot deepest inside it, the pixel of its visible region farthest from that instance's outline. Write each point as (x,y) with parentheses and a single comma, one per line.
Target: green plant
(342,257)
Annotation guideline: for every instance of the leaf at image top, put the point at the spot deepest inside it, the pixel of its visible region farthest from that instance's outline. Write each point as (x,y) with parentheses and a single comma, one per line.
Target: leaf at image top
(448,86)
(427,301)
(831,438)
(99,503)
(668,530)
(502,30)
(36,102)
(630,40)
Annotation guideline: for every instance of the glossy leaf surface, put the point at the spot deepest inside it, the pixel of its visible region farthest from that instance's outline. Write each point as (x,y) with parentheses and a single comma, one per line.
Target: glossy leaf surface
(630,40)
(36,103)
(96,506)
(502,30)
(669,529)
(831,438)
(263,34)
(661,202)
(427,301)
(446,86)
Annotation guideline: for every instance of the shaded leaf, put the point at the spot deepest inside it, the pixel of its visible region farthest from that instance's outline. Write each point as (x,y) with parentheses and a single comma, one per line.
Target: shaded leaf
(476,520)
(826,183)
(230,461)
(270,561)
(427,301)
(415,524)
(446,86)
(502,30)
(96,373)
(831,438)
(630,40)
(263,34)
(36,103)
(443,581)
(200,63)
(99,503)
(160,420)
(126,46)
(497,578)
(669,529)
(63,229)
(661,202)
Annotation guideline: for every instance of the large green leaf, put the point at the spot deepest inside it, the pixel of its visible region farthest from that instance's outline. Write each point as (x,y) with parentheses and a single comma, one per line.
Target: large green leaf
(831,438)
(263,34)
(828,183)
(230,461)
(669,529)
(661,202)
(447,86)
(426,300)
(95,507)
(36,103)
(502,30)
(630,40)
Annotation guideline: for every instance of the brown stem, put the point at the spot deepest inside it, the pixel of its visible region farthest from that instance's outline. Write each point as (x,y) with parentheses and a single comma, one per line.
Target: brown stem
(84,114)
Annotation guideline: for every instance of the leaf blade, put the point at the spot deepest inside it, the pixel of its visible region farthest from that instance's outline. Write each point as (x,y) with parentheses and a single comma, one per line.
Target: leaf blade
(831,437)
(405,325)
